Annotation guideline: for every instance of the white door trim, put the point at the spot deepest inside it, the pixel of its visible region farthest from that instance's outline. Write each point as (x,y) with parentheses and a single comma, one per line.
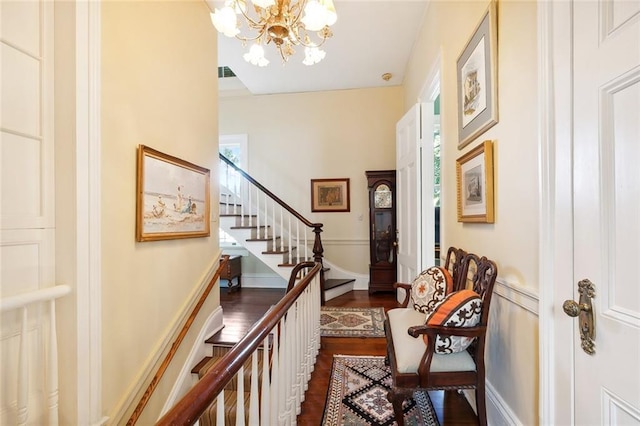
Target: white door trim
(428,95)
(555,194)
(88,217)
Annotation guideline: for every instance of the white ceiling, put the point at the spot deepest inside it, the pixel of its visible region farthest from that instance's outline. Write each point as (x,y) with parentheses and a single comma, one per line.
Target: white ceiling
(370,38)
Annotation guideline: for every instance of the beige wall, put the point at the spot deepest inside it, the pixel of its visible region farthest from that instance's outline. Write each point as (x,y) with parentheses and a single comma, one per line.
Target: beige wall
(159,88)
(294,138)
(513,239)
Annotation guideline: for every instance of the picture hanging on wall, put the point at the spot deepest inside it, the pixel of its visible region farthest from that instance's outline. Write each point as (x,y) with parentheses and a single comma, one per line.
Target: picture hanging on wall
(474,178)
(330,195)
(172,197)
(477,80)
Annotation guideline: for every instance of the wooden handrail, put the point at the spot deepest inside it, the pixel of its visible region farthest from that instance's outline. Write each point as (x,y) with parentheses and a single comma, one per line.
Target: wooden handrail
(189,409)
(270,194)
(176,344)
(318,250)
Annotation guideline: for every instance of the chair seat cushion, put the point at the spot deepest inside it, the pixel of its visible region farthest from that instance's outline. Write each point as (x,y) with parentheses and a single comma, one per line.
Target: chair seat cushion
(429,288)
(409,350)
(458,309)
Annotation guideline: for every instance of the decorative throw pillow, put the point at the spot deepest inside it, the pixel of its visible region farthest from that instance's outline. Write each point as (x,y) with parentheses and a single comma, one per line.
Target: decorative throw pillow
(458,309)
(430,288)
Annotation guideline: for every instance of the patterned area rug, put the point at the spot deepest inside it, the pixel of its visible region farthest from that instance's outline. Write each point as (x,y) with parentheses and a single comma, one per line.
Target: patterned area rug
(351,322)
(357,395)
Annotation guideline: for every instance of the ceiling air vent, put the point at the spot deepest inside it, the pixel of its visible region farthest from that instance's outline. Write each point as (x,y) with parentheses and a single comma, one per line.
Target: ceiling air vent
(224,72)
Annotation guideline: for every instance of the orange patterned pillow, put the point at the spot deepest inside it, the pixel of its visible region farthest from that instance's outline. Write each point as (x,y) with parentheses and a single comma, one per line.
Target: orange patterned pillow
(429,288)
(459,309)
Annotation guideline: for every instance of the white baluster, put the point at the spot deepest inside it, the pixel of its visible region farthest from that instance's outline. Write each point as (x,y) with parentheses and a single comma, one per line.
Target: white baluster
(243,191)
(258,213)
(249,207)
(52,370)
(236,191)
(290,243)
(306,244)
(283,382)
(23,372)
(282,236)
(266,388)
(220,408)
(298,248)
(240,397)
(275,377)
(254,409)
(273,225)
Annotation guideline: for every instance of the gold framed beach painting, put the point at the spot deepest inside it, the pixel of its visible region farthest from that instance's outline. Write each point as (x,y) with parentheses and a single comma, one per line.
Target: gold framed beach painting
(477,80)
(474,179)
(172,197)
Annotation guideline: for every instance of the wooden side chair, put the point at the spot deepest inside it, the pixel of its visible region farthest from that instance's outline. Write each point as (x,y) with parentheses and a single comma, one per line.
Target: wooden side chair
(444,349)
(455,264)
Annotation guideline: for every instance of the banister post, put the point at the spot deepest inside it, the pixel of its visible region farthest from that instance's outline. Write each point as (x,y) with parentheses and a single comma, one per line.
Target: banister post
(317,257)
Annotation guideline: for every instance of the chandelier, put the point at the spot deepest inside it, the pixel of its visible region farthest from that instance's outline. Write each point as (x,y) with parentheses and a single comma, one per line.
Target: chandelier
(286,23)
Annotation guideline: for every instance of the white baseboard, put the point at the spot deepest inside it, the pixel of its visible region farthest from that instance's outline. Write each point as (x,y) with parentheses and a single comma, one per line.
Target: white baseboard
(337,291)
(498,411)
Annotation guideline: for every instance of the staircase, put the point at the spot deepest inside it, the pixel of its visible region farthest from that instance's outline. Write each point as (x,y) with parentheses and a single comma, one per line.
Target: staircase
(262,378)
(230,390)
(272,231)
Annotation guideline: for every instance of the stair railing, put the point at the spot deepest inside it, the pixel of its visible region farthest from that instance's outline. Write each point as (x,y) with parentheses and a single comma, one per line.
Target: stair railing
(22,303)
(259,207)
(176,344)
(290,334)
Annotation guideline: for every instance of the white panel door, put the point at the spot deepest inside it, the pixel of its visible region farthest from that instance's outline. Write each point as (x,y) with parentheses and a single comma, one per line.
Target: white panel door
(27,234)
(607,207)
(408,195)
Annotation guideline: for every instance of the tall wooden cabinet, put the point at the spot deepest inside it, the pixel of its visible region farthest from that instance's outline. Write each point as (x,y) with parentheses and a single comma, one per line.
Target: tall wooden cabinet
(382,230)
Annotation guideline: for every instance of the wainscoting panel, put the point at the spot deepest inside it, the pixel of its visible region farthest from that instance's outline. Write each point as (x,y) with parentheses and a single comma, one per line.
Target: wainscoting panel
(512,358)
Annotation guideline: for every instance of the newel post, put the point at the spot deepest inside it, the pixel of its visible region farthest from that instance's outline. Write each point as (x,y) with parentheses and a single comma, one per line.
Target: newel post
(317,257)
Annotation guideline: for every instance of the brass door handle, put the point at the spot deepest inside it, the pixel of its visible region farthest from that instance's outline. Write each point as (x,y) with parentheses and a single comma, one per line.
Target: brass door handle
(584,309)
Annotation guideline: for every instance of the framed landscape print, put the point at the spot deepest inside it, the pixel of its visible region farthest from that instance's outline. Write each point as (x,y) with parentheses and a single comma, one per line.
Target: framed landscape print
(474,179)
(172,197)
(330,195)
(477,80)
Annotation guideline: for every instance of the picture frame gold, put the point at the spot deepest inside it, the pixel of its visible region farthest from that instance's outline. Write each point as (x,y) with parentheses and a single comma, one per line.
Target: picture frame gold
(330,195)
(172,197)
(477,80)
(474,180)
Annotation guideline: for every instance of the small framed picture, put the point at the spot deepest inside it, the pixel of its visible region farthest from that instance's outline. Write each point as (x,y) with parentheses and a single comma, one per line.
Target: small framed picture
(477,80)
(172,197)
(474,177)
(330,195)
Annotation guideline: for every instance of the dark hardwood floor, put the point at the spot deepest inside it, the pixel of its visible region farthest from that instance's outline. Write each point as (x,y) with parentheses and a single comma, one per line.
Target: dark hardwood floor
(242,308)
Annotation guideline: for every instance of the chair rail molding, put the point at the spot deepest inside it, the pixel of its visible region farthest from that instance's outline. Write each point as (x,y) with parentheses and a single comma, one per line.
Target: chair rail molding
(525,297)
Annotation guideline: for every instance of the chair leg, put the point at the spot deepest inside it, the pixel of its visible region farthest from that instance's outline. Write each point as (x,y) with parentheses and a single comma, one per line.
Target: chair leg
(396,397)
(481,405)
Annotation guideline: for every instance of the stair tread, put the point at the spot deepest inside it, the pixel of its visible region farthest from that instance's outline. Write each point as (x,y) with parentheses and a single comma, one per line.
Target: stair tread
(250,227)
(199,366)
(337,282)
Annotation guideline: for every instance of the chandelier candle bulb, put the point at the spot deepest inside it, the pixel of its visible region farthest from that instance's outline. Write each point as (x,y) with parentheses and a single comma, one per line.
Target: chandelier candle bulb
(286,23)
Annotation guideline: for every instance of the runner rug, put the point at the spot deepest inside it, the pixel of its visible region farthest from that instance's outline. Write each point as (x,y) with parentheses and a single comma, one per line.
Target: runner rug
(357,395)
(351,322)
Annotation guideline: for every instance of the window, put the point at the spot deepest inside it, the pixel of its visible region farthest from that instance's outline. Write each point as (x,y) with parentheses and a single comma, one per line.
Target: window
(234,147)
